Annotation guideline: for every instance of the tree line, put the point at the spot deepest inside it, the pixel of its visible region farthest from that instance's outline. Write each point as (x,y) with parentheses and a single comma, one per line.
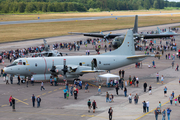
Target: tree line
(33,6)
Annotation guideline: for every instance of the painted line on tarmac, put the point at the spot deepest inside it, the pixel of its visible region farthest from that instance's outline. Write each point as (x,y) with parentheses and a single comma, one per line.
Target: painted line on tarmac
(90,116)
(55,90)
(43,93)
(20,101)
(153,110)
(60,88)
(49,91)
(3,105)
(92,85)
(24,99)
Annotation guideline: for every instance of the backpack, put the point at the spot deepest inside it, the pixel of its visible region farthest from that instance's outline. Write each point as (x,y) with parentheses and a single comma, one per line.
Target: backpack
(94,103)
(89,103)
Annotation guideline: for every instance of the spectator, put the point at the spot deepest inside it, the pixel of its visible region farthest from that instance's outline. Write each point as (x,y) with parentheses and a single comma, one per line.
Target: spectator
(65,92)
(13,104)
(144,106)
(110,113)
(145,86)
(165,91)
(107,97)
(130,98)
(117,88)
(150,90)
(168,113)
(89,105)
(125,91)
(10,100)
(94,105)
(171,99)
(156,113)
(157,76)
(42,86)
(33,99)
(38,101)
(147,105)
(163,114)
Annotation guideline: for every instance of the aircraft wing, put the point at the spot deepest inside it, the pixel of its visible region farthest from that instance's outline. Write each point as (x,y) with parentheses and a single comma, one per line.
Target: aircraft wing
(142,56)
(96,34)
(150,36)
(92,71)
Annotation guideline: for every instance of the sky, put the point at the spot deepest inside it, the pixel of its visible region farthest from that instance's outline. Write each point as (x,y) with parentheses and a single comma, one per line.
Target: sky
(174,0)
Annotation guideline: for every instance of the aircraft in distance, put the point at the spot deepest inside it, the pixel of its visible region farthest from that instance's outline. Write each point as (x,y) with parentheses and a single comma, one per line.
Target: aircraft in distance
(47,52)
(75,66)
(118,38)
(167,32)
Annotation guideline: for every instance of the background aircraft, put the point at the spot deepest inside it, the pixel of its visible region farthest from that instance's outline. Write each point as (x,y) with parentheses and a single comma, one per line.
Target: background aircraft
(118,38)
(75,66)
(167,32)
(47,52)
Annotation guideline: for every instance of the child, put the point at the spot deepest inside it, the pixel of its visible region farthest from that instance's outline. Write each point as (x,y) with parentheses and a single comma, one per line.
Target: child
(160,104)
(175,101)
(67,95)
(112,98)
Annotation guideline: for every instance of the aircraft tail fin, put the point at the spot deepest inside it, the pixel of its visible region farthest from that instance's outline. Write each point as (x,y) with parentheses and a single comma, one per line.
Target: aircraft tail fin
(135,29)
(127,47)
(45,45)
(159,31)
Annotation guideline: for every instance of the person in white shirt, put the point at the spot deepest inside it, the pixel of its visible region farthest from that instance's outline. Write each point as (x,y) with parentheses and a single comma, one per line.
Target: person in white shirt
(147,105)
(137,81)
(42,86)
(32,80)
(130,98)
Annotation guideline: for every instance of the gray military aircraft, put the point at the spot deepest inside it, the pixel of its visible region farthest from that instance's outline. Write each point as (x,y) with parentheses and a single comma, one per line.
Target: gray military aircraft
(47,52)
(75,66)
(118,38)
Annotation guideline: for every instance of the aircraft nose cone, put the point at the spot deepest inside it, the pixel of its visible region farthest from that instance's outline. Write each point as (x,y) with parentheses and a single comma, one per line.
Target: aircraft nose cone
(5,70)
(115,45)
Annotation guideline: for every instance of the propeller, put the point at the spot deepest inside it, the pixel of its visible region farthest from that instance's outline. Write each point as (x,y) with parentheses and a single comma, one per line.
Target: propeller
(106,36)
(53,69)
(65,69)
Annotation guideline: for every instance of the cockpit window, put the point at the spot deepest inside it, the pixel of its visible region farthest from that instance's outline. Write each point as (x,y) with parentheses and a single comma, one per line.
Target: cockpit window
(13,64)
(20,62)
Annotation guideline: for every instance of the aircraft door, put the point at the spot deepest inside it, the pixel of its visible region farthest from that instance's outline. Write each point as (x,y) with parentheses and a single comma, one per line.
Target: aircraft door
(95,62)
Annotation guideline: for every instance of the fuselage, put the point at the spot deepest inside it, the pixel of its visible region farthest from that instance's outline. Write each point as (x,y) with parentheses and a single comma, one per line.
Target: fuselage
(41,65)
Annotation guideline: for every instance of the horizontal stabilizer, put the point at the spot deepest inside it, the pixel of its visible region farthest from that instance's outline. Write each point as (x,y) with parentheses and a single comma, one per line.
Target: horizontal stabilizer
(142,56)
(92,71)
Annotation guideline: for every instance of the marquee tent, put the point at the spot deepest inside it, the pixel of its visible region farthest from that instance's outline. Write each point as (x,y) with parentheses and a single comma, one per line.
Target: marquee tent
(108,76)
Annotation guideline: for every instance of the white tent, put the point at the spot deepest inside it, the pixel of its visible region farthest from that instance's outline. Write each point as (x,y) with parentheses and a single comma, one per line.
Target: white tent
(108,76)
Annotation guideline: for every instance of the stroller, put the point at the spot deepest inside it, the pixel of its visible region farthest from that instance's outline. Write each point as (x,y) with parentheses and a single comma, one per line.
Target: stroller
(159,109)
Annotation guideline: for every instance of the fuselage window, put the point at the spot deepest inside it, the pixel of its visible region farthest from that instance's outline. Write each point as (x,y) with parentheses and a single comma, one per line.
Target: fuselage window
(20,62)
(36,64)
(80,64)
(99,62)
(24,63)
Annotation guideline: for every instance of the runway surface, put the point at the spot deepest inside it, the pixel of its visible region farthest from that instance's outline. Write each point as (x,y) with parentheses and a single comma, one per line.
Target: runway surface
(73,19)
(71,38)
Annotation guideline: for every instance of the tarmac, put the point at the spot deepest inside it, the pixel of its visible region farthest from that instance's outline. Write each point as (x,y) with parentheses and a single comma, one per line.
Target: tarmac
(55,107)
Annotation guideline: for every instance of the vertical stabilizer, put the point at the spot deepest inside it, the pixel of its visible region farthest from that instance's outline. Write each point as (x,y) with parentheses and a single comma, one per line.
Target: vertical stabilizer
(127,47)
(45,45)
(135,29)
(159,31)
